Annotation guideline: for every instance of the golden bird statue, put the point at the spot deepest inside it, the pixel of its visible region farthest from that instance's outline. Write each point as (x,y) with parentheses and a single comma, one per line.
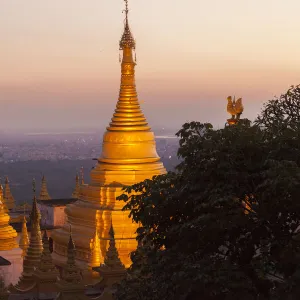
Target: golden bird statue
(235,108)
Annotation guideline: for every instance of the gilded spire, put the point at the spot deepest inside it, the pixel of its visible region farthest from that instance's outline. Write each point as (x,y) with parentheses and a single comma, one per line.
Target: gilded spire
(44,195)
(8,197)
(112,270)
(70,284)
(128,115)
(112,259)
(77,188)
(24,239)
(33,254)
(71,273)
(7,233)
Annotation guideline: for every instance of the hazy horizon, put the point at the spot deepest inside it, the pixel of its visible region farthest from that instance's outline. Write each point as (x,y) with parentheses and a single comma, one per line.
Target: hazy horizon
(60,68)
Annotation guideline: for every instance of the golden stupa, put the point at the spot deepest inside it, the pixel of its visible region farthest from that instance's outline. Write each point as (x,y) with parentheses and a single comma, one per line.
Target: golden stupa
(9,200)
(44,195)
(7,233)
(128,156)
(70,283)
(34,250)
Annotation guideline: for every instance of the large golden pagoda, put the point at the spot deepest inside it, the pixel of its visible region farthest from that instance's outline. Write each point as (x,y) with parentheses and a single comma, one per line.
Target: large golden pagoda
(128,156)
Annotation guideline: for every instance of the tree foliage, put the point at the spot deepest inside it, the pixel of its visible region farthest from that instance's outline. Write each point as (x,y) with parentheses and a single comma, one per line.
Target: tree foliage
(225,225)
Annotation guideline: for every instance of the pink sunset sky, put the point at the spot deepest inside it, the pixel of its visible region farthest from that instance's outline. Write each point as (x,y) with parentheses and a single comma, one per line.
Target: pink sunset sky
(60,59)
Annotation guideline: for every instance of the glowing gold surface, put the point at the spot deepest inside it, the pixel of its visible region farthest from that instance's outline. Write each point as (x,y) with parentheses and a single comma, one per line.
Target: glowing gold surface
(9,200)
(44,195)
(128,156)
(95,256)
(7,233)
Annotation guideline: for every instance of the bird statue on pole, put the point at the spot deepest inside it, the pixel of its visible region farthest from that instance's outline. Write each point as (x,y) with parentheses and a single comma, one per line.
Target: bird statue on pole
(235,109)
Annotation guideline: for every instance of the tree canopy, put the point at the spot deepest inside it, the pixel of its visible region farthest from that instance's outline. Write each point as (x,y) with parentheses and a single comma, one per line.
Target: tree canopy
(225,224)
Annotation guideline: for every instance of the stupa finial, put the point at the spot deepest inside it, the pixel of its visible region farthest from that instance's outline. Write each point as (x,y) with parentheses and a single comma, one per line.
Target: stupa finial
(127,40)
(35,215)
(33,187)
(126,11)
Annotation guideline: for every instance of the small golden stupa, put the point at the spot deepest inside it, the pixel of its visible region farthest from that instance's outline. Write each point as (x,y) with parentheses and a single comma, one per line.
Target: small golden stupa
(112,261)
(44,195)
(7,233)
(35,248)
(128,156)
(112,271)
(9,200)
(46,274)
(71,284)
